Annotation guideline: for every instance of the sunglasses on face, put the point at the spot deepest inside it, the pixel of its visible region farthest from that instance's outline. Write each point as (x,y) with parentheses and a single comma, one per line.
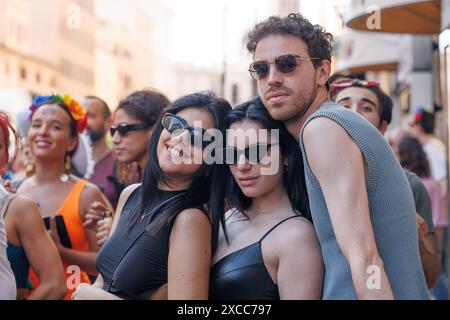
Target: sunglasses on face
(284,64)
(177,125)
(124,128)
(254,153)
(353,83)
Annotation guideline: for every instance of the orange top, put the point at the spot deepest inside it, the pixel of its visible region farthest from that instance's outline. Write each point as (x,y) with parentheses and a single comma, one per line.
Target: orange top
(71,213)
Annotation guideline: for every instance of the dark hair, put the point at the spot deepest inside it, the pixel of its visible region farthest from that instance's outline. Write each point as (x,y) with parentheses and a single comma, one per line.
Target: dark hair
(386,104)
(144,105)
(318,41)
(198,194)
(105,108)
(425,119)
(294,179)
(412,156)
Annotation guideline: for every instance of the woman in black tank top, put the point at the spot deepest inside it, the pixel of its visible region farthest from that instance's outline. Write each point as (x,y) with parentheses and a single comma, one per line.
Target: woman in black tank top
(268,249)
(167,232)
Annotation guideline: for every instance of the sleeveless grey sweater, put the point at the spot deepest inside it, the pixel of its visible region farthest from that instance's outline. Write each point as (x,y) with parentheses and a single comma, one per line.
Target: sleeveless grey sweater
(392,213)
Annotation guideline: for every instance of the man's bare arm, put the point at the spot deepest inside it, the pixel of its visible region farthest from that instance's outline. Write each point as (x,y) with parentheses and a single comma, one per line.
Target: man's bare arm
(337,163)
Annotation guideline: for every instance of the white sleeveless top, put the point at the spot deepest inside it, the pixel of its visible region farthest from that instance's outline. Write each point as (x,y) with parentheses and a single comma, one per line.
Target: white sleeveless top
(7,280)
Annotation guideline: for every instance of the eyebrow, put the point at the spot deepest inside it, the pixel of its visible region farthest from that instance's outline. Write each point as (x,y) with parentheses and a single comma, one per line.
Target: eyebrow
(51,121)
(363,99)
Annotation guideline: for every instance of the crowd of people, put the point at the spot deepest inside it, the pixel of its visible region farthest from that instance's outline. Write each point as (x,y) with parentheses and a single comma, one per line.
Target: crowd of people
(304,199)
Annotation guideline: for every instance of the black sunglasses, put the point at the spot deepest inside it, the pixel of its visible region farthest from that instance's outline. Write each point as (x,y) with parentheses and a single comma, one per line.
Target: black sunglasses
(254,153)
(177,125)
(124,128)
(284,64)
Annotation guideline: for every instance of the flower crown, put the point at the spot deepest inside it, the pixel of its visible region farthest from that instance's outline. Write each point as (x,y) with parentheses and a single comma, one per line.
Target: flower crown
(75,109)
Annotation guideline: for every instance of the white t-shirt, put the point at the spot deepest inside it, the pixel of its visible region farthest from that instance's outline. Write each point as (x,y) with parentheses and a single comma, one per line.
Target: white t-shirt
(436,159)
(7,280)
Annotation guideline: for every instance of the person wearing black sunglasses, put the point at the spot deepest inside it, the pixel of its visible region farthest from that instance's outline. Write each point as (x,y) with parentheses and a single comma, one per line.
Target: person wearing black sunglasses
(134,120)
(356,187)
(165,230)
(267,237)
(132,127)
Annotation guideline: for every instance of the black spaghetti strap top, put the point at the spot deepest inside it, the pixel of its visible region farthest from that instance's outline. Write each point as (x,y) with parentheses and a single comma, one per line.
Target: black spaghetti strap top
(242,275)
(133,263)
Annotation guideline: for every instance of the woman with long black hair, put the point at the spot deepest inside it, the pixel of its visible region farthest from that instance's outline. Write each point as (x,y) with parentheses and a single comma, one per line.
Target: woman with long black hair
(164,233)
(268,249)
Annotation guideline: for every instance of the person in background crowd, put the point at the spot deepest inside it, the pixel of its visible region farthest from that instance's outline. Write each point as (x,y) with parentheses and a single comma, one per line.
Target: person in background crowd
(413,158)
(367,99)
(133,124)
(56,122)
(8,288)
(99,122)
(29,244)
(166,234)
(423,130)
(423,125)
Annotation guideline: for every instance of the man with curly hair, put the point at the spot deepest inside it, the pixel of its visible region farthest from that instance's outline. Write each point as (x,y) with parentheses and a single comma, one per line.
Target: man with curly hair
(361,203)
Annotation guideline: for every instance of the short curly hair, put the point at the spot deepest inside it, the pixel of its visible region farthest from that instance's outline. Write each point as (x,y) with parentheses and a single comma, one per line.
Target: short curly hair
(318,41)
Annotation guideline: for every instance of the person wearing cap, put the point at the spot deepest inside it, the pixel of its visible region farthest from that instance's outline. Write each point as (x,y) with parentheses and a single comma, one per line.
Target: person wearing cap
(369,100)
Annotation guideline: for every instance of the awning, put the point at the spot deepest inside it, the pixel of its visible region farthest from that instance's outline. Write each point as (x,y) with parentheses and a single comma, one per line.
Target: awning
(360,52)
(397,16)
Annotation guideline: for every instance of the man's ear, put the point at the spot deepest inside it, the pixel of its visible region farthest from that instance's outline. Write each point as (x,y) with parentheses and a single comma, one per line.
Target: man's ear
(323,72)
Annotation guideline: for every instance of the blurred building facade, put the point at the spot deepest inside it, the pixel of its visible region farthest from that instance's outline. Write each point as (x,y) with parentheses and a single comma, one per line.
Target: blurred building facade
(47,46)
(20,65)
(123,55)
(70,46)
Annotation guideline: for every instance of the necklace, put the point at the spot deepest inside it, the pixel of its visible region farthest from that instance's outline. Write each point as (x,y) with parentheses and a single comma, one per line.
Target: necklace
(160,206)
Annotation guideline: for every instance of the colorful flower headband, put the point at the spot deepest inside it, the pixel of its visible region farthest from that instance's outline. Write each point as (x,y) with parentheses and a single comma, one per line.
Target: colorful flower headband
(75,109)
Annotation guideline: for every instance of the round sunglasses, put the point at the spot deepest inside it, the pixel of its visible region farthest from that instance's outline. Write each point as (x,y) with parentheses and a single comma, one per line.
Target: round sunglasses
(177,125)
(284,64)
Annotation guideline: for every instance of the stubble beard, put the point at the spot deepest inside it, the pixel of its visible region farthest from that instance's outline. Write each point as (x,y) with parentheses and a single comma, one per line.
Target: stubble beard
(303,107)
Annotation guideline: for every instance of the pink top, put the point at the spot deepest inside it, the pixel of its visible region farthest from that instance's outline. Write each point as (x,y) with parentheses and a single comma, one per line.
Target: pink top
(438,203)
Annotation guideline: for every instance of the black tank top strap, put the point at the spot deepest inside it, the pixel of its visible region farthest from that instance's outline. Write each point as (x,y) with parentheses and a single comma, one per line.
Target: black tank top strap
(276,226)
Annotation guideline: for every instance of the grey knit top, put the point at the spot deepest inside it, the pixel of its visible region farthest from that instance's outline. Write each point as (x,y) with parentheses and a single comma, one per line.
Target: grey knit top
(392,213)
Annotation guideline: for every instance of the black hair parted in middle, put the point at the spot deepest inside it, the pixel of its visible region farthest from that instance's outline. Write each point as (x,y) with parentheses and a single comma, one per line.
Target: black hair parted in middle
(198,194)
(293,179)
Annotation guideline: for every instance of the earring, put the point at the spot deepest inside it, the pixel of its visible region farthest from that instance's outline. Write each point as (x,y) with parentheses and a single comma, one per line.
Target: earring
(29,165)
(67,167)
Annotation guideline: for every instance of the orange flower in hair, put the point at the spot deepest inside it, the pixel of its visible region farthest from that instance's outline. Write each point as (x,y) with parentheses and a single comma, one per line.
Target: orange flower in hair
(75,109)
